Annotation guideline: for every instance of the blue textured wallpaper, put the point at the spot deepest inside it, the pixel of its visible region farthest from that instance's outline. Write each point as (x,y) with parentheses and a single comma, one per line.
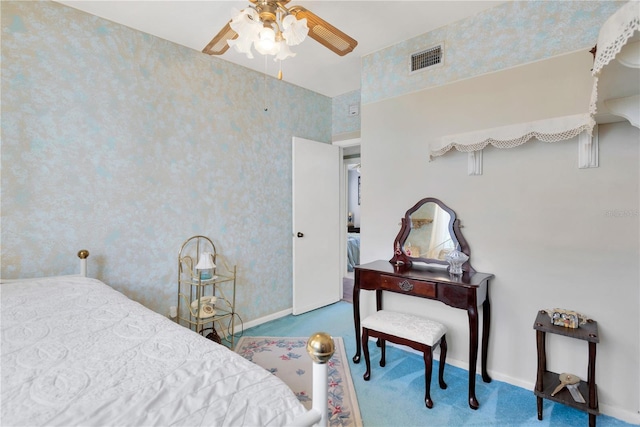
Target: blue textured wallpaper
(126,145)
(342,122)
(515,33)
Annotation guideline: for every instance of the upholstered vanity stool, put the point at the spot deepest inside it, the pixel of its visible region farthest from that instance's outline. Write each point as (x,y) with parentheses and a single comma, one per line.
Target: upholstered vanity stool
(416,332)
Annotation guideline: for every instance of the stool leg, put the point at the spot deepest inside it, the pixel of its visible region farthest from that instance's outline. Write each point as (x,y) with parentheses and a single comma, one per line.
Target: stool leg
(443,360)
(428,360)
(383,355)
(365,351)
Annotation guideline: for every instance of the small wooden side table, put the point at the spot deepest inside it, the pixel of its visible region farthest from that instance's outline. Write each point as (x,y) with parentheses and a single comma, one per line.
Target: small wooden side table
(547,381)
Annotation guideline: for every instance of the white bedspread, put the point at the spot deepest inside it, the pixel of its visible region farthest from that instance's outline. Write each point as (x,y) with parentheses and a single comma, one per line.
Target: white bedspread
(76,352)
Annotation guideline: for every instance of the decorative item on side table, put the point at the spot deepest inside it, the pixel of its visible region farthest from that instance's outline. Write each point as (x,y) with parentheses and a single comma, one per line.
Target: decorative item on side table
(205,266)
(456,259)
(567,318)
(571,382)
(206,291)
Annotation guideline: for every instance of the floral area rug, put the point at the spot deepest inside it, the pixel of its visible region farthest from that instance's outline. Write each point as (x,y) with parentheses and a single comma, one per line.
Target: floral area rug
(287,358)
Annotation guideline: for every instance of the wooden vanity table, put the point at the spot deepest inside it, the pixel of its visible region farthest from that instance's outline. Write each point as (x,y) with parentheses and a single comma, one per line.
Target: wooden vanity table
(413,276)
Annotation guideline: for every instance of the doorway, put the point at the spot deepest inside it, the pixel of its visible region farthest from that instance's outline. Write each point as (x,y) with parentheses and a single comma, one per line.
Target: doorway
(351,211)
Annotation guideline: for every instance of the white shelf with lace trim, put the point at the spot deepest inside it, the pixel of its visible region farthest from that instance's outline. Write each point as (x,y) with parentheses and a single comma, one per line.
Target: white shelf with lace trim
(616,70)
(546,100)
(553,129)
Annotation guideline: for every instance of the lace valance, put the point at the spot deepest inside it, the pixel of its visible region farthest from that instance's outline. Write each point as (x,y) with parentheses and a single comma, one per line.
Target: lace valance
(546,100)
(547,130)
(621,98)
(616,32)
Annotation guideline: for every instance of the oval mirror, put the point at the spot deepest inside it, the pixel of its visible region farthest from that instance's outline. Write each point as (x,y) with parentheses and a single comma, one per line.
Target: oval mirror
(429,231)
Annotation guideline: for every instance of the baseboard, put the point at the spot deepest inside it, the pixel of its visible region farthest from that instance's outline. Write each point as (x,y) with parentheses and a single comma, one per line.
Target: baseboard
(241,326)
(621,414)
(316,305)
(265,319)
(612,411)
(465,365)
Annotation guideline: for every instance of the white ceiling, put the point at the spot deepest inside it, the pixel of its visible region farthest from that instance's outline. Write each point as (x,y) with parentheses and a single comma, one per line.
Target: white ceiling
(374,24)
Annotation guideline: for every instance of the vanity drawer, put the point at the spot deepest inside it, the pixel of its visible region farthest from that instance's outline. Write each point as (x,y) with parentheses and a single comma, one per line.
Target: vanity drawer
(413,287)
(369,279)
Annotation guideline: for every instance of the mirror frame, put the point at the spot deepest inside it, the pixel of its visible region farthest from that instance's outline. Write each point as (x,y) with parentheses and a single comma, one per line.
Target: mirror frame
(401,258)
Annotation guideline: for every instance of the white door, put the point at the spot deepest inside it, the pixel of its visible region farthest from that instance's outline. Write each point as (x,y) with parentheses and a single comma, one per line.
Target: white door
(316,225)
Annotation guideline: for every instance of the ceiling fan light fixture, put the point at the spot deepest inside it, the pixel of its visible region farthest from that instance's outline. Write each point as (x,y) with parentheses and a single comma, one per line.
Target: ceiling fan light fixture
(268,32)
(290,27)
(266,42)
(242,45)
(284,51)
(245,24)
(294,30)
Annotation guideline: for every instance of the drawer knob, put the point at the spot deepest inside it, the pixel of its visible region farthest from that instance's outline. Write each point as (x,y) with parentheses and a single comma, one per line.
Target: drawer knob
(405,285)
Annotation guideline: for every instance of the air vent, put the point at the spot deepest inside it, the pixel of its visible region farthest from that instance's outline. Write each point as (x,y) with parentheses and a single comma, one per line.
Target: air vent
(426,58)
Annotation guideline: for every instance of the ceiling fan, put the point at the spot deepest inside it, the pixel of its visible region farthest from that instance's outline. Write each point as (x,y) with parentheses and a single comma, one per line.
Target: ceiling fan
(270,27)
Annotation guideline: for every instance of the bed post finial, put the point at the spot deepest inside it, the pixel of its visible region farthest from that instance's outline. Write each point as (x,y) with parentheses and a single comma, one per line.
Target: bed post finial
(83,254)
(320,348)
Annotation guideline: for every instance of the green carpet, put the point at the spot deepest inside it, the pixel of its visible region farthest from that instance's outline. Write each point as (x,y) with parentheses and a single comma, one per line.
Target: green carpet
(394,395)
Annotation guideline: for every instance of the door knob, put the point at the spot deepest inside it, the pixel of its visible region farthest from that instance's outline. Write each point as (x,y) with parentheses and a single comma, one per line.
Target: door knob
(300,234)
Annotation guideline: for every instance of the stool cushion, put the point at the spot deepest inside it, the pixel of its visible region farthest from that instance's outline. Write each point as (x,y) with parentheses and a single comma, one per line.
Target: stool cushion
(408,326)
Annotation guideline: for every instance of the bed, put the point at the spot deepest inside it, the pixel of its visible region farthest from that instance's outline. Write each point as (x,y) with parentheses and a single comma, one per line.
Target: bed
(353,250)
(76,352)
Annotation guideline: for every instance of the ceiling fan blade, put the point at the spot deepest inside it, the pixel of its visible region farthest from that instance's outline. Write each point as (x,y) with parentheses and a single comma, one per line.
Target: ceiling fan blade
(325,33)
(218,45)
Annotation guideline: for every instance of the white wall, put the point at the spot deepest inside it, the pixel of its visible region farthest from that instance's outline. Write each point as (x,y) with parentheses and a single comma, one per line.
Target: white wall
(554,235)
